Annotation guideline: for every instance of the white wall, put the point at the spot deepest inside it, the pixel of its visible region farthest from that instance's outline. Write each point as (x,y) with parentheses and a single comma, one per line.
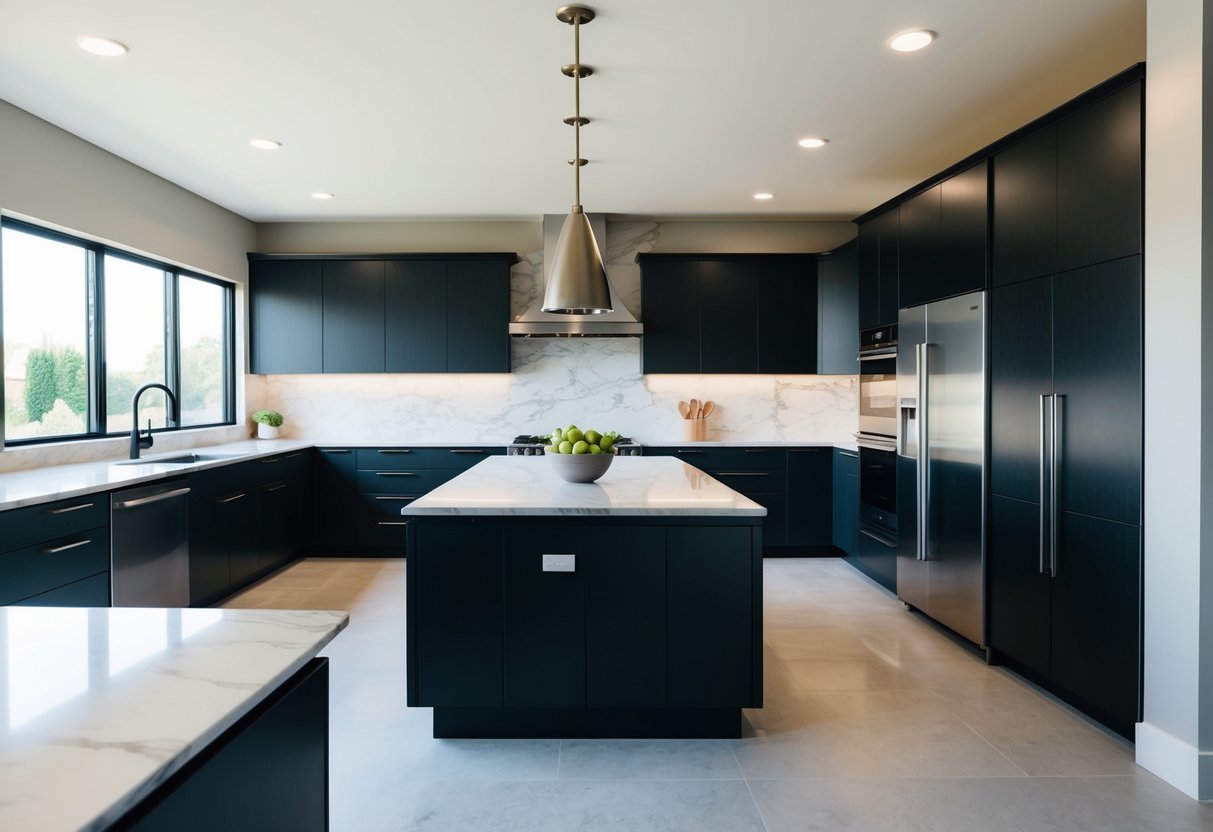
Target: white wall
(51,177)
(1176,738)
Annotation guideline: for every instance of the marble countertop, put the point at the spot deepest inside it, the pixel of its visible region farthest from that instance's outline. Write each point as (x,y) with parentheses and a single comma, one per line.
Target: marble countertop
(60,482)
(844,445)
(633,486)
(104,704)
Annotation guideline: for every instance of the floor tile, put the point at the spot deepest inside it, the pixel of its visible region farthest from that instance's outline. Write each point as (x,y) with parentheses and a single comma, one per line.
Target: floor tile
(648,760)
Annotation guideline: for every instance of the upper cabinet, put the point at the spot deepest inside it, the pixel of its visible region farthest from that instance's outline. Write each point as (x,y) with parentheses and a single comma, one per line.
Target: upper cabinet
(838,311)
(943,239)
(380,313)
(878,265)
(1070,194)
(729,313)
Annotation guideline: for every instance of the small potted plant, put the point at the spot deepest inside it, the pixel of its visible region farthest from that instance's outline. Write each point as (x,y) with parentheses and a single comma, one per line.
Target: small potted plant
(268,422)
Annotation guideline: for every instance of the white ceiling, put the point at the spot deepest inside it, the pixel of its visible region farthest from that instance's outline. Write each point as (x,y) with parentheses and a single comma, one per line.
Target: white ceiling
(406,109)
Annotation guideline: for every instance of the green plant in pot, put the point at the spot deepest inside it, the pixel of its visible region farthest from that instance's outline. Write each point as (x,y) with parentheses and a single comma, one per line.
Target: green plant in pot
(268,422)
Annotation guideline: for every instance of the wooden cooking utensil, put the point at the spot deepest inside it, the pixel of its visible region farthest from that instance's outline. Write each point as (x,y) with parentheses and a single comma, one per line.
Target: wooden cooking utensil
(684,409)
(708,407)
(694,409)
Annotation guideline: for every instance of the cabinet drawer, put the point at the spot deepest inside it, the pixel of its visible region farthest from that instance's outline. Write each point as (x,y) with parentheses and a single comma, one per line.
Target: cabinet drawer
(457,459)
(390,459)
(381,528)
(402,483)
(382,506)
(93,591)
(23,527)
(736,459)
(846,462)
(752,480)
(52,564)
(213,483)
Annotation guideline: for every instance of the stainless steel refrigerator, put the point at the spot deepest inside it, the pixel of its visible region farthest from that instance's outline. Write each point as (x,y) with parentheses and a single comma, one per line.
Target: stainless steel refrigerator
(941,457)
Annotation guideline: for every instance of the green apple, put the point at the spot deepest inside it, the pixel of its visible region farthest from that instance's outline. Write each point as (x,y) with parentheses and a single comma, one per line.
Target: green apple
(574,435)
(606,443)
(592,436)
(557,435)
(565,447)
(595,449)
(581,447)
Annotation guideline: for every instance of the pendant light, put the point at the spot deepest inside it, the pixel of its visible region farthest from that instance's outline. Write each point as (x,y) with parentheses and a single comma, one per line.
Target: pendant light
(577,280)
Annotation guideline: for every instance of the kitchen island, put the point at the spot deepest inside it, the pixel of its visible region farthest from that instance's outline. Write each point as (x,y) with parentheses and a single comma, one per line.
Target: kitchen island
(629,607)
(157,719)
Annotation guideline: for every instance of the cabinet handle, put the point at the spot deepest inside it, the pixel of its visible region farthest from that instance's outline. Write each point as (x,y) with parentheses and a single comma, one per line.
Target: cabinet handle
(757,450)
(394,497)
(232,498)
(66,509)
(878,539)
(806,450)
(393,522)
(1045,470)
(277,487)
(154,498)
(396,474)
(1055,479)
(744,474)
(269,459)
(394,451)
(467,451)
(54,550)
(335,450)
(680,451)
(848,455)
(922,354)
(292,456)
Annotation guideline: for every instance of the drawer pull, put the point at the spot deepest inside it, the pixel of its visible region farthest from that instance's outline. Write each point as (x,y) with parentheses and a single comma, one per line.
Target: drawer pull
(396,497)
(744,474)
(54,550)
(335,450)
(393,522)
(396,474)
(467,451)
(66,509)
(394,451)
(151,498)
(757,450)
(277,487)
(680,451)
(233,498)
(292,456)
(848,454)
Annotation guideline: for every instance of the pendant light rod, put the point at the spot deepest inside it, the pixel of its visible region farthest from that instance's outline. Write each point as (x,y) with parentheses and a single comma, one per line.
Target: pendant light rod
(577,110)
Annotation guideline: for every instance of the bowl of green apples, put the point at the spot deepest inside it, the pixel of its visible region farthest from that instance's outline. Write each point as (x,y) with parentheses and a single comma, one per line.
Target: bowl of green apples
(581,456)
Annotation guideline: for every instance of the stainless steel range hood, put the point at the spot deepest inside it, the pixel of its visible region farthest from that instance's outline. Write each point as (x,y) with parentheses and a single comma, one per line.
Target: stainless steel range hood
(535,323)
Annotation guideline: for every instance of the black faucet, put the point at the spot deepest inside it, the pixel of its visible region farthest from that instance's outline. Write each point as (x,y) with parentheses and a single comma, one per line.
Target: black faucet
(138,442)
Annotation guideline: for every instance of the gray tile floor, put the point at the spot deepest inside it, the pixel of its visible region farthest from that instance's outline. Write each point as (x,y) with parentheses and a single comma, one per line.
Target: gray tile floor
(874,720)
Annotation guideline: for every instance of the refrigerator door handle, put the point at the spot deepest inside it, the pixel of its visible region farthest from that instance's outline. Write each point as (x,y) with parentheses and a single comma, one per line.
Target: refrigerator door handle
(1046,400)
(1055,478)
(924,406)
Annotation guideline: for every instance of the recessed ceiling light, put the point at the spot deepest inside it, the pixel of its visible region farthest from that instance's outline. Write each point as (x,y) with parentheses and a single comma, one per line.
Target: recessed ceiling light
(813,141)
(912,40)
(105,47)
(321,195)
(764,195)
(265,144)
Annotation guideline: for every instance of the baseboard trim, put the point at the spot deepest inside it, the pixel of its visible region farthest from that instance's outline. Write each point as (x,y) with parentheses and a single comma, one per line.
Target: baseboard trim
(1181,764)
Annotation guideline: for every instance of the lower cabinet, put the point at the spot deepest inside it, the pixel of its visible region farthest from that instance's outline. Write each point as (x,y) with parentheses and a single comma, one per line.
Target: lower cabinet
(56,554)
(810,498)
(87,592)
(846,502)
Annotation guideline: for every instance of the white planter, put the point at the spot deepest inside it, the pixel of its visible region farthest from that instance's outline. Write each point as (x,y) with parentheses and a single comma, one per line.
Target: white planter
(265,431)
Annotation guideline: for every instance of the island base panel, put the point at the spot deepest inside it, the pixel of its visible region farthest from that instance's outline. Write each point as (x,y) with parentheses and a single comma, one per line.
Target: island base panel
(587,723)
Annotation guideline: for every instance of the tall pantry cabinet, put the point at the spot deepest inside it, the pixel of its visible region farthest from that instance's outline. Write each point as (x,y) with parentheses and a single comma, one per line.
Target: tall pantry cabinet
(1063,546)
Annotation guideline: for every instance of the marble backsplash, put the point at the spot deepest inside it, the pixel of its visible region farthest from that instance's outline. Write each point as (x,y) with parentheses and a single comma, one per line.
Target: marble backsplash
(594,382)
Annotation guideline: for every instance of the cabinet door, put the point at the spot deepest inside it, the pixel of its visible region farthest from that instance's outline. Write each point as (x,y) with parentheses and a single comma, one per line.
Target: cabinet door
(1018,599)
(544,618)
(285,316)
(459,632)
(1099,181)
(274,524)
(353,316)
(1024,243)
(415,310)
(709,616)
(1097,375)
(625,617)
(93,591)
(867,258)
(810,497)
(477,316)
(238,515)
(846,513)
(1097,612)
(208,553)
(838,312)
(919,241)
(787,316)
(669,291)
(1021,371)
(889,266)
(728,316)
(334,497)
(964,221)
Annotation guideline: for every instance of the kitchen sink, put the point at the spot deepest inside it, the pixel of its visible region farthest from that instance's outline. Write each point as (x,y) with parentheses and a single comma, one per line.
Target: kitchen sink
(179,459)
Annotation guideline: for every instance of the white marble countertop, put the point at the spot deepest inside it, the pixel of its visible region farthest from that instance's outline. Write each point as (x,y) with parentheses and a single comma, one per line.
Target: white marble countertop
(633,486)
(60,482)
(844,445)
(104,704)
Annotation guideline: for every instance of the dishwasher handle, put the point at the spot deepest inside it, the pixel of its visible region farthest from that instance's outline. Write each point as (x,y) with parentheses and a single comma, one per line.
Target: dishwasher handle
(153,498)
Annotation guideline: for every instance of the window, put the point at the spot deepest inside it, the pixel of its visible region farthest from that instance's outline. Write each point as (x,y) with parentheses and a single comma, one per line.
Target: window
(84,326)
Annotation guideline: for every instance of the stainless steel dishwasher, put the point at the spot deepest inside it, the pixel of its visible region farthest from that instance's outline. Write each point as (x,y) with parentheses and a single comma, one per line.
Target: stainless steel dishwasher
(149,552)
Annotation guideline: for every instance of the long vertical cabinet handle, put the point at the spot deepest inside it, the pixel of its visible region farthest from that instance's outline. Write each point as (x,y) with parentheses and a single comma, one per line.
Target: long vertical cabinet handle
(1055,447)
(923,461)
(1046,467)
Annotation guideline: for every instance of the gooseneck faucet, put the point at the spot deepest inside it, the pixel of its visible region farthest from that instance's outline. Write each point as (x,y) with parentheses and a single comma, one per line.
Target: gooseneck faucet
(139,442)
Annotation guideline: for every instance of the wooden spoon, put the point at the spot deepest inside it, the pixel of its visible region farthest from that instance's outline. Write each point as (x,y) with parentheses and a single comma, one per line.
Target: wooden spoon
(694,409)
(708,407)
(684,409)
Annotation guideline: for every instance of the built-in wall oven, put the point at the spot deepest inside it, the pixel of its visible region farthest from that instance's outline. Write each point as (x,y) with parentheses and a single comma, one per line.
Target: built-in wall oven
(877,441)
(878,383)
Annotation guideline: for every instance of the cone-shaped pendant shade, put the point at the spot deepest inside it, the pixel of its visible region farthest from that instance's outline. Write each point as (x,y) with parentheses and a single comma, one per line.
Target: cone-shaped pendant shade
(577,281)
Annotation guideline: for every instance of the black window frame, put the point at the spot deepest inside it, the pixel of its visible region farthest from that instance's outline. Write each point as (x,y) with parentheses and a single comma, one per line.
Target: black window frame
(97,419)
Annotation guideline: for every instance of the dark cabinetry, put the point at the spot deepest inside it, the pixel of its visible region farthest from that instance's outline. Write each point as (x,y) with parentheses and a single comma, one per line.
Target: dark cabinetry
(729,313)
(810,497)
(878,268)
(380,313)
(846,502)
(56,554)
(943,239)
(838,311)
